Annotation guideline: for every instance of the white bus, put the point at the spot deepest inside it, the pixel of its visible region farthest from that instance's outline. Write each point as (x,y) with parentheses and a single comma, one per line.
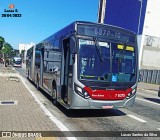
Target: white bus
(17,61)
(86,66)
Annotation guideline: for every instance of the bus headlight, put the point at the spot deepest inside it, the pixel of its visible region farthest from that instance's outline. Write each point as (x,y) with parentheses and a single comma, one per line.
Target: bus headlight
(78,89)
(131,93)
(86,95)
(81,92)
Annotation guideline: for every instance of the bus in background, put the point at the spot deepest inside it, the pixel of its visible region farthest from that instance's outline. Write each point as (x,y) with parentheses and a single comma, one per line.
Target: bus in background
(17,61)
(86,66)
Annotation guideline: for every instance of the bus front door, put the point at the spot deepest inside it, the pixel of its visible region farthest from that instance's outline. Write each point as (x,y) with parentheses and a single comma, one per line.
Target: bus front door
(41,66)
(65,70)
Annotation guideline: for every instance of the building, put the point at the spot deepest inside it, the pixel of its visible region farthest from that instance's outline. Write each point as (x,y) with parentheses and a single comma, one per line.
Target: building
(150,47)
(25,47)
(141,17)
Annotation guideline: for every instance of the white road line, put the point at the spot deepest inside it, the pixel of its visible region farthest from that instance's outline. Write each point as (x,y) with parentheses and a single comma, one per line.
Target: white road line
(146,90)
(59,124)
(136,118)
(147,101)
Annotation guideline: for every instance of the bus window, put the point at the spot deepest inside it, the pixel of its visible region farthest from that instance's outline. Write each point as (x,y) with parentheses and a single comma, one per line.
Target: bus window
(91,66)
(123,63)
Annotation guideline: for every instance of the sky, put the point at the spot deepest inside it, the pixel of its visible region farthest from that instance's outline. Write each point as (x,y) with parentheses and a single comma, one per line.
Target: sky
(42,18)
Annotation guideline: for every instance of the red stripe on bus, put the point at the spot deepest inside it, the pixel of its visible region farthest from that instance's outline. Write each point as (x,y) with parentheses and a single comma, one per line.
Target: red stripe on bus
(108,94)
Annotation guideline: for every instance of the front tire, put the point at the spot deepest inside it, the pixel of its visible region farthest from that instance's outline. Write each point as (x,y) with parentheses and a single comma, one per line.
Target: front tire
(54,95)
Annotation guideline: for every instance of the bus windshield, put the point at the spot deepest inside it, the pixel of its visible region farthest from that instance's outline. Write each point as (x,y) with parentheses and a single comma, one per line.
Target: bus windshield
(17,60)
(106,61)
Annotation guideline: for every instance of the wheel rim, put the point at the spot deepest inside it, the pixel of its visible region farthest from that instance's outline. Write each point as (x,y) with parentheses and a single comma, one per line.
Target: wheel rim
(53,93)
(54,97)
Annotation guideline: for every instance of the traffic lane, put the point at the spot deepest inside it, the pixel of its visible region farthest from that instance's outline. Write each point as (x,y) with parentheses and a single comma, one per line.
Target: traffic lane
(150,97)
(148,112)
(21,71)
(148,104)
(147,109)
(144,92)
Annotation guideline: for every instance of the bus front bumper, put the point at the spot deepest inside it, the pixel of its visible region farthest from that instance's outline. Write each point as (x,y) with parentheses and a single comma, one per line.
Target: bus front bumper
(81,103)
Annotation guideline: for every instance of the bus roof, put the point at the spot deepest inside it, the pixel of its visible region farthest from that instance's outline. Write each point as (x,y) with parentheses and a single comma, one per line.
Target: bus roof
(17,57)
(70,29)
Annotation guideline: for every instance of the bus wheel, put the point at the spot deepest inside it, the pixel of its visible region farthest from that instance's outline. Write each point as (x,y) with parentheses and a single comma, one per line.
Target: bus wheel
(37,83)
(28,75)
(54,95)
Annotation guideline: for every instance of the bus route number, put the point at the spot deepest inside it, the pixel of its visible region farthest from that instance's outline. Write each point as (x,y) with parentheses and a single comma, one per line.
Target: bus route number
(103,32)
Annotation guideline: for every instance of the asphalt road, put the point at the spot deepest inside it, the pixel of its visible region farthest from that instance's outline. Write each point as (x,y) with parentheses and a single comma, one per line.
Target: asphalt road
(144,116)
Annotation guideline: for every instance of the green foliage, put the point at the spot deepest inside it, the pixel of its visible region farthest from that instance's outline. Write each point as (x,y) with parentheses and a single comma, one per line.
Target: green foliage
(16,52)
(22,53)
(7,50)
(1,42)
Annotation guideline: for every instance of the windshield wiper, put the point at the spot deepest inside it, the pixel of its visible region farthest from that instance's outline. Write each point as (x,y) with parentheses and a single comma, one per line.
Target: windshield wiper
(98,49)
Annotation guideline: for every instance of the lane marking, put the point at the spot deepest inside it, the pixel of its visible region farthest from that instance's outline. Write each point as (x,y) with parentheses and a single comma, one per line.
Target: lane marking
(147,101)
(136,118)
(59,124)
(139,89)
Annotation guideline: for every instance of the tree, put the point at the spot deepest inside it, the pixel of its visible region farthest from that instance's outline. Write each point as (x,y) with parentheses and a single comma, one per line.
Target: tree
(22,53)
(16,52)
(7,50)
(1,42)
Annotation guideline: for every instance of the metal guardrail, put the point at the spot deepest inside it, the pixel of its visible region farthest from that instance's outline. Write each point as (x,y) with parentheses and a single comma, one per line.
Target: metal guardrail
(150,76)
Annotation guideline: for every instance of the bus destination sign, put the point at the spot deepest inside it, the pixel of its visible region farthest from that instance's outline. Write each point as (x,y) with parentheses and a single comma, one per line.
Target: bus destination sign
(106,32)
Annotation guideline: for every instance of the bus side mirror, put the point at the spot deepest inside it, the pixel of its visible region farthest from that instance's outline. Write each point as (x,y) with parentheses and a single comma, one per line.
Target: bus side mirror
(73,48)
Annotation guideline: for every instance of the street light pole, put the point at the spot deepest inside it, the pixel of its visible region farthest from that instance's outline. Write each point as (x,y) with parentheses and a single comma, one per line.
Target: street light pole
(4,62)
(140,11)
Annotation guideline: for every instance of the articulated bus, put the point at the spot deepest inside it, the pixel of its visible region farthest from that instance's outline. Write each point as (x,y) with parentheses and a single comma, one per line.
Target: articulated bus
(86,66)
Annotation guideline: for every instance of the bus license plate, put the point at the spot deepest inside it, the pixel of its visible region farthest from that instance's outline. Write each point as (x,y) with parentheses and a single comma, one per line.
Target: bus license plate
(107,107)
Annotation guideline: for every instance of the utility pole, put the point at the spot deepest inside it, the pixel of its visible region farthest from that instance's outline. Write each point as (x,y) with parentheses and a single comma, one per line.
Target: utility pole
(4,61)
(140,13)
(101,11)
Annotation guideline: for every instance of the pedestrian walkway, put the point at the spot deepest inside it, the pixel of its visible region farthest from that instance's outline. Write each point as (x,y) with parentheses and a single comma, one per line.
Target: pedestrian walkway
(148,86)
(18,109)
